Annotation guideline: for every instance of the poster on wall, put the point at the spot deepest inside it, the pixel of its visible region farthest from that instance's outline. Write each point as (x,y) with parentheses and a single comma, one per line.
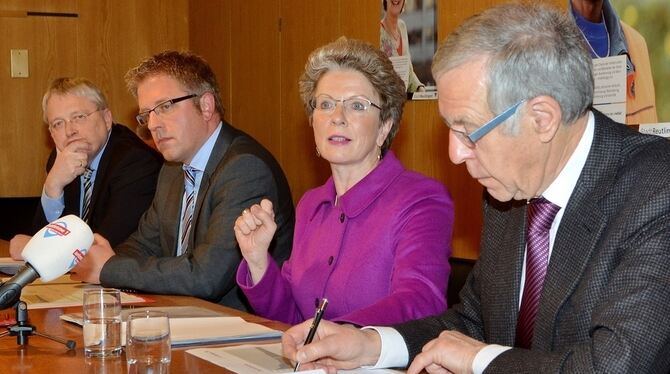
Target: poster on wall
(408,34)
(628,36)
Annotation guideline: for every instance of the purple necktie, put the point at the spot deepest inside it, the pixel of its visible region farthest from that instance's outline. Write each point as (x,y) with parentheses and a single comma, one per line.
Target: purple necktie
(541,213)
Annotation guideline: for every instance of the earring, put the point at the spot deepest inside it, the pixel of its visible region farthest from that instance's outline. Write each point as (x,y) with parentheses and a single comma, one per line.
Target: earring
(318,154)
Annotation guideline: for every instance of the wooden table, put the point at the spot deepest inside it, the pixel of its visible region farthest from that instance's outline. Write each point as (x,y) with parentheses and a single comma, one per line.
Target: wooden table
(45,356)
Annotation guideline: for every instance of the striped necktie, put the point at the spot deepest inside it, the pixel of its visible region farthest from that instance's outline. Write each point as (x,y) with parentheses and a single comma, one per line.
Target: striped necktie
(88,191)
(188,204)
(541,213)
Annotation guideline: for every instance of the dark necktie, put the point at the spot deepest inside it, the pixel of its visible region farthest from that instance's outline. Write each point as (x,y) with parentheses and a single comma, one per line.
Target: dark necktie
(187,206)
(88,191)
(540,216)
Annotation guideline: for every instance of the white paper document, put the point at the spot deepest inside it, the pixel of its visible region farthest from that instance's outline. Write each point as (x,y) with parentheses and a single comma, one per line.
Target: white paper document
(200,330)
(401,65)
(262,358)
(63,292)
(10,266)
(609,94)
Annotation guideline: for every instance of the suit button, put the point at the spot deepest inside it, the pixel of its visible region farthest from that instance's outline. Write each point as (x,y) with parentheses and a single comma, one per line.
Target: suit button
(342,217)
(330,260)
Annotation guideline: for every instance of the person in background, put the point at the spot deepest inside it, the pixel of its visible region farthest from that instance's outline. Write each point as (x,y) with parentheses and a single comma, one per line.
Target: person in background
(573,268)
(394,40)
(100,171)
(606,36)
(184,244)
(375,238)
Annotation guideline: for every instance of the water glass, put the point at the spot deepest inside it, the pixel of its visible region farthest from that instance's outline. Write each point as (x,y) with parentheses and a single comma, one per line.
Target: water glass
(102,322)
(148,342)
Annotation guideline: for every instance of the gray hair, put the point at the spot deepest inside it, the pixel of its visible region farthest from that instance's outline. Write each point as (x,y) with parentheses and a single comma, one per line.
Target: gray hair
(81,87)
(531,50)
(368,60)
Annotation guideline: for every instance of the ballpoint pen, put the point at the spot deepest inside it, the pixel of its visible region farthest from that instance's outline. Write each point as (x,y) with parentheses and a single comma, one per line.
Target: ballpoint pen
(315,325)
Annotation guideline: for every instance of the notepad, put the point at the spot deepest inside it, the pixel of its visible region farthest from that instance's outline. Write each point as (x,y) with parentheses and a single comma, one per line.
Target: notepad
(10,266)
(203,330)
(263,358)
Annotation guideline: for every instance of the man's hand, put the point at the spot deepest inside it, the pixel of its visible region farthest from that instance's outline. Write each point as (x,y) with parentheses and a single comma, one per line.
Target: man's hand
(451,352)
(70,163)
(334,346)
(88,269)
(17,244)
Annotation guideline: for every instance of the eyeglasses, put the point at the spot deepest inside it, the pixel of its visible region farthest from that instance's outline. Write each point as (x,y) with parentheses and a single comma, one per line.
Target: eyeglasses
(354,105)
(469,140)
(76,119)
(163,108)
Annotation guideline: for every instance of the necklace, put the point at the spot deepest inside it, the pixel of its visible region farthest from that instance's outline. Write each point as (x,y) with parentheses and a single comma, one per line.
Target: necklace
(593,51)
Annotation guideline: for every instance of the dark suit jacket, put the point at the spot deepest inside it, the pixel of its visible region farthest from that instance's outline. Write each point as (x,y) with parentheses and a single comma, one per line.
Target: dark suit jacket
(239,173)
(605,306)
(124,186)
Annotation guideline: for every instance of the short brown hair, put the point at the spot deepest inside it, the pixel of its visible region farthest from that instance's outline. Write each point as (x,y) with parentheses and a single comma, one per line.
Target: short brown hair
(189,69)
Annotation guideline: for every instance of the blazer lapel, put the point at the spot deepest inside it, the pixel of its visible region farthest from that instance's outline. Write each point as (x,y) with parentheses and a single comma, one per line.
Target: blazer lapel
(580,229)
(101,174)
(71,194)
(173,210)
(502,282)
(221,145)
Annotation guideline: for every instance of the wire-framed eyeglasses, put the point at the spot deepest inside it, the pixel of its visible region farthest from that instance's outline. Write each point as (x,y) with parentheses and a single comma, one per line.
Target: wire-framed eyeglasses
(469,140)
(356,105)
(76,119)
(161,109)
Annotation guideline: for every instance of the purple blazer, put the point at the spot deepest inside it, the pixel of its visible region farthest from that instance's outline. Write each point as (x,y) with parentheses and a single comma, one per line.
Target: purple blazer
(380,255)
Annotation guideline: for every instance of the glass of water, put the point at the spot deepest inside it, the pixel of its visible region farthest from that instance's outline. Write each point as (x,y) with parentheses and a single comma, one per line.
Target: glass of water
(148,342)
(102,322)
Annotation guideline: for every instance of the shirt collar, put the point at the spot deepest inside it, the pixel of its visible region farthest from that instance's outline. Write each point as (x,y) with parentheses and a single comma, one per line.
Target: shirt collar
(199,161)
(93,165)
(560,190)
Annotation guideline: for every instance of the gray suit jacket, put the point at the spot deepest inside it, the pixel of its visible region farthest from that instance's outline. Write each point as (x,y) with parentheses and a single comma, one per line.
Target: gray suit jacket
(239,173)
(605,306)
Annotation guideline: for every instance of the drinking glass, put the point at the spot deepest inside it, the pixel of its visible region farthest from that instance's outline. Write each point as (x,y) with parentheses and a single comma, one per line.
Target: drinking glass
(102,322)
(148,342)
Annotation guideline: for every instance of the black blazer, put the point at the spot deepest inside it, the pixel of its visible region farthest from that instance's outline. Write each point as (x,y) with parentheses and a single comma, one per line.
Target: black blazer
(124,186)
(605,305)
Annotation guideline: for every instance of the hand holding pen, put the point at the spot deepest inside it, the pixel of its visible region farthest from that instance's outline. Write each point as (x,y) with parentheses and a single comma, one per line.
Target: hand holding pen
(315,325)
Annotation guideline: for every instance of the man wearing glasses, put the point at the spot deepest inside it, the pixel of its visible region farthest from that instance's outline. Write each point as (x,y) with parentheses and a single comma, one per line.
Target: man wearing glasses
(573,268)
(185,243)
(99,171)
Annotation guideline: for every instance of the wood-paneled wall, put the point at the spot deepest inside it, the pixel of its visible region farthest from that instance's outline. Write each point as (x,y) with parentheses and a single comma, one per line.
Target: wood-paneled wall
(101,43)
(258,50)
(267,44)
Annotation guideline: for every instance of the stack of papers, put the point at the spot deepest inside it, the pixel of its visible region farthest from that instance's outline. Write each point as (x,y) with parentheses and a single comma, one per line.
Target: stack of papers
(10,266)
(63,292)
(263,358)
(201,330)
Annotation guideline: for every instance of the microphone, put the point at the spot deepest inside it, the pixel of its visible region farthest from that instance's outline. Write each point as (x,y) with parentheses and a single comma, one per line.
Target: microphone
(52,252)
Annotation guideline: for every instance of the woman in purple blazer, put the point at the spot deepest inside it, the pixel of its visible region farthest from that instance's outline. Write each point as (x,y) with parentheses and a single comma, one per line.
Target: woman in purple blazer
(375,238)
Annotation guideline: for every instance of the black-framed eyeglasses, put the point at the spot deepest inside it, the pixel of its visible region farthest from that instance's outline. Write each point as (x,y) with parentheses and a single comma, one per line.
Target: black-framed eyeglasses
(76,119)
(469,140)
(163,108)
(352,105)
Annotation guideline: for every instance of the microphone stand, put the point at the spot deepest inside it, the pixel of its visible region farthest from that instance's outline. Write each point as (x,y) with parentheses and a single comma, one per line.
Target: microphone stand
(23,330)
